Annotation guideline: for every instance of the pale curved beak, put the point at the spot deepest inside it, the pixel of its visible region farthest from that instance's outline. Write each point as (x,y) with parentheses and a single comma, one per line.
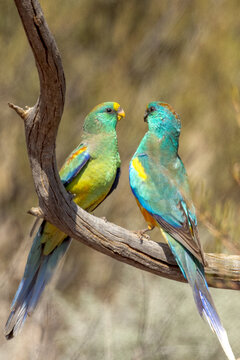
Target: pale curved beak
(145,116)
(120,114)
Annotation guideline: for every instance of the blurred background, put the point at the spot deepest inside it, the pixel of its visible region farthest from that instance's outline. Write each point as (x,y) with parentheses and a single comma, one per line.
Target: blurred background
(186,53)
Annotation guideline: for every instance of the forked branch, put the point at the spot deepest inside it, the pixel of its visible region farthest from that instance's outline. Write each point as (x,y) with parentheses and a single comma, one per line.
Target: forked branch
(41,125)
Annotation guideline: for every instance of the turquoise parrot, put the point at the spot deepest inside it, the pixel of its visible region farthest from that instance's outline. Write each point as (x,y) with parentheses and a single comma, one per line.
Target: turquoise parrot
(90,173)
(159,182)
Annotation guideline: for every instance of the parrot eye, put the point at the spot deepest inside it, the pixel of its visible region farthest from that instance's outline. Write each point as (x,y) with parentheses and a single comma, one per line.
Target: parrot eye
(109,110)
(151,109)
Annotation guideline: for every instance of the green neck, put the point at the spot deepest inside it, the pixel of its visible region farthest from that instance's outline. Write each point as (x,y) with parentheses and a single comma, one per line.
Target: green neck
(102,145)
(164,147)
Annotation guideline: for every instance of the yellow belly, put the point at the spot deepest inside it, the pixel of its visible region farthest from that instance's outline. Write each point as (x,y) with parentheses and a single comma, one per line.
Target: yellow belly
(90,188)
(92,185)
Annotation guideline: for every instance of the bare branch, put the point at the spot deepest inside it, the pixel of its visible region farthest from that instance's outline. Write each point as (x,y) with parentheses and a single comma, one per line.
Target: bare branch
(36,211)
(21,112)
(41,124)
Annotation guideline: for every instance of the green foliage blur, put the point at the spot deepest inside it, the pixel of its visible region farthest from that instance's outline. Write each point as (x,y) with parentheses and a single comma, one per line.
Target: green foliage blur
(186,53)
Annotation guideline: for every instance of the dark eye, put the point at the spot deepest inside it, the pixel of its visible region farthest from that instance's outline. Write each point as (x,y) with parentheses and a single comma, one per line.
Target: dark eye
(109,110)
(151,109)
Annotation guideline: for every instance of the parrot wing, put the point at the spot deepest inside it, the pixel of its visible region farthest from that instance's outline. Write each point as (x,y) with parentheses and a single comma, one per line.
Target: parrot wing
(167,200)
(74,164)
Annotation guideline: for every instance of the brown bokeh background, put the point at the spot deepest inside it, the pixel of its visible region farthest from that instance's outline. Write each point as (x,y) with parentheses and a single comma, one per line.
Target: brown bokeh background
(186,53)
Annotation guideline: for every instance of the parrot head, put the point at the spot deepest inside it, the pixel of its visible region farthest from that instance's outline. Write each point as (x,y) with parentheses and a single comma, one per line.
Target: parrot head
(103,117)
(162,119)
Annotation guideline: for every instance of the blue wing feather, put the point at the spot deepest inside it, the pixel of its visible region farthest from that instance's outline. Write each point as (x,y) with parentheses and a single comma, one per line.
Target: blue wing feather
(168,201)
(74,164)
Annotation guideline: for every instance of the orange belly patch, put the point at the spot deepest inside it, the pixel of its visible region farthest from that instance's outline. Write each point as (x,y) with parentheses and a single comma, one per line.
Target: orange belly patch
(149,219)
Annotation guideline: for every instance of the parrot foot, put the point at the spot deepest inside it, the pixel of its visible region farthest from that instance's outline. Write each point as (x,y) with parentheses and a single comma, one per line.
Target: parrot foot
(71,195)
(142,233)
(104,219)
(36,211)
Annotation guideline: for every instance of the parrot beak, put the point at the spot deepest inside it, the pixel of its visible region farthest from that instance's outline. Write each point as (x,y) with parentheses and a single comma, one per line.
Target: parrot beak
(120,114)
(145,116)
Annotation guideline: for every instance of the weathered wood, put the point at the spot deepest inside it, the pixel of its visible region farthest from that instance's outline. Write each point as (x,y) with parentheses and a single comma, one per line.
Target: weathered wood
(41,125)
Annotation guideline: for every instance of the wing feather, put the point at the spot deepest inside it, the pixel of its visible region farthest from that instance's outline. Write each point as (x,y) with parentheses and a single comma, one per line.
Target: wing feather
(168,201)
(74,164)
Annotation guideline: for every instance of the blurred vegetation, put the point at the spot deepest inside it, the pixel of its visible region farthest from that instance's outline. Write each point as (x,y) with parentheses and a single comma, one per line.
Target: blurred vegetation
(182,52)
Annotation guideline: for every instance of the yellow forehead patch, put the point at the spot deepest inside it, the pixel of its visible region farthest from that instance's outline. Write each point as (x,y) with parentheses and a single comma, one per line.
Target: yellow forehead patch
(139,168)
(116,106)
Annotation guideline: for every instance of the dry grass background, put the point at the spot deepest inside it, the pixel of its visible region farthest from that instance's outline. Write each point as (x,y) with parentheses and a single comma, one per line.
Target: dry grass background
(182,52)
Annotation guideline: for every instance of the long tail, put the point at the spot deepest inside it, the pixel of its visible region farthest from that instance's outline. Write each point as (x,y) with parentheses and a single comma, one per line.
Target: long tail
(38,272)
(193,272)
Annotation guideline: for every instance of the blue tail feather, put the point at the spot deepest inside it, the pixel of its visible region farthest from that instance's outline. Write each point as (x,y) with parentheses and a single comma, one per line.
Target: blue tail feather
(38,272)
(193,271)
(31,268)
(46,271)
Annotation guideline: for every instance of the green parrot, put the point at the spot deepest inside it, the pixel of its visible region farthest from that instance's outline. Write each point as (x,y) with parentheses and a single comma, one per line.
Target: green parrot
(159,182)
(91,173)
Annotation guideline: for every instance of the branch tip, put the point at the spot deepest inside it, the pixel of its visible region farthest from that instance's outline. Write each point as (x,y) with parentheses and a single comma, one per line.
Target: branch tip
(36,211)
(20,111)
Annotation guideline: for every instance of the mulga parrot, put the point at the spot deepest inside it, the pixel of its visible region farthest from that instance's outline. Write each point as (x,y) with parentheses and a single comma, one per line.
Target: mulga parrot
(90,173)
(159,182)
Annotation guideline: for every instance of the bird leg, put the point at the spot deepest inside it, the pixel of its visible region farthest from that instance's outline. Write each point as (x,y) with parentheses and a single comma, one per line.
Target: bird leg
(71,195)
(142,233)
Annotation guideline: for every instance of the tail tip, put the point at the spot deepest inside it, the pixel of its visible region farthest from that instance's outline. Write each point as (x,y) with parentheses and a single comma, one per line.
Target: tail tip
(9,335)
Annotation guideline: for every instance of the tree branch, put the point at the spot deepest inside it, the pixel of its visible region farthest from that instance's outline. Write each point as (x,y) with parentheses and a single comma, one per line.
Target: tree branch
(41,125)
